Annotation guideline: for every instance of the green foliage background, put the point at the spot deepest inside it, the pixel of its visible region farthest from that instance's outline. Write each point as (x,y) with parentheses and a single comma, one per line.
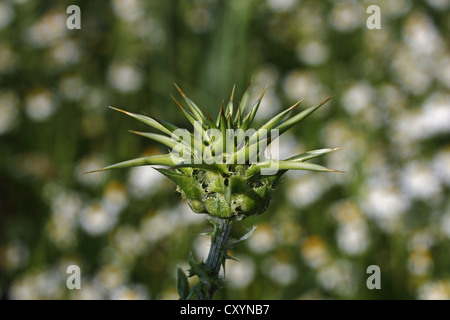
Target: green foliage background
(128,230)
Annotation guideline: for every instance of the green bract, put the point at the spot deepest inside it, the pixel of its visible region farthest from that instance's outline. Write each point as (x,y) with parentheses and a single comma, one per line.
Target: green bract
(221,168)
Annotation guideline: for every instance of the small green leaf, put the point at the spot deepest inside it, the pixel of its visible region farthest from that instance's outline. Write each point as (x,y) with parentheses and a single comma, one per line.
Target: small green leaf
(186,183)
(182,284)
(234,242)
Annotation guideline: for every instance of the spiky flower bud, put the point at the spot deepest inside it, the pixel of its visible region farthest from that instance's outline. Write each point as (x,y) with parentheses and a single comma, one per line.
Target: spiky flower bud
(221,168)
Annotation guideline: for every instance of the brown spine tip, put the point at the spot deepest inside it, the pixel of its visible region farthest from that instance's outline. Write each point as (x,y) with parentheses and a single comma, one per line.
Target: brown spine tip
(179,105)
(120,110)
(232,93)
(179,90)
(295,105)
(93,171)
(326,100)
(136,132)
(222,112)
(263,93)
(209,116)
(249,84)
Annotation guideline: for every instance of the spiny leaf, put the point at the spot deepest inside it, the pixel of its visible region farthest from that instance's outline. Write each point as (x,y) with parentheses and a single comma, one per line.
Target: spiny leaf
(312,154)
(251,114)
(187,113)
(276,119)
(242,106)
(165,160)
(157,137)
(297,118)
(229,110)
(214,167)
(194,109)
(269,125)
(286,165)
(198,125)
(147,120)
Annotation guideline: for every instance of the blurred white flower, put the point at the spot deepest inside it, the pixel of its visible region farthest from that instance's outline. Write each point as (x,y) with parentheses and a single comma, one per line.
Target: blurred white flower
(6,14)
(421,35)
(128,10)
(281,5)
(307,189)
(114,196)
(143,181)
(313,52)
(13,255)
(90,163)
(65,52)
(130,292)
(436,114)
(346,15)
(95,219)
(384,204)
(418,181)
(441,68)
(439,4)
(410,72)
(201,246)
(352,233)
(352,238)
(61,232)
(437,290)
(89,292)
(339,276)
(314,251)
(48,30)
(40,285)
(124,77)
(110,277)
(155,227)
(40,104)
(396,8)
(128,240)
(66,204)
(282,273)
(263,239)
(419,262)
(240,273)
(303,85)
(358,97)
(420,240)
(72,87)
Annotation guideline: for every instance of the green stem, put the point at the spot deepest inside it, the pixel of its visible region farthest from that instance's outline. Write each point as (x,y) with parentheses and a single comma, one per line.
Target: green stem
(216,257)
